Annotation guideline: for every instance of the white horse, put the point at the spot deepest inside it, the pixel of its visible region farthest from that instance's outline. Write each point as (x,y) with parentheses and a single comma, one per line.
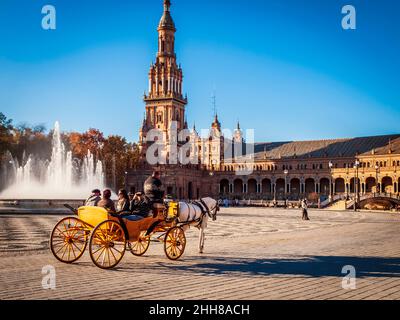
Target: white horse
(197,214)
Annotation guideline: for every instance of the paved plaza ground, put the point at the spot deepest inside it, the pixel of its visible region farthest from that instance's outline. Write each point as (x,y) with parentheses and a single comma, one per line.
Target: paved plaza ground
(251,253)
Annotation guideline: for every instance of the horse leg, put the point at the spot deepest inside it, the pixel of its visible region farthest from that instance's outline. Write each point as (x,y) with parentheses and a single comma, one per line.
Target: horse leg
(201,240)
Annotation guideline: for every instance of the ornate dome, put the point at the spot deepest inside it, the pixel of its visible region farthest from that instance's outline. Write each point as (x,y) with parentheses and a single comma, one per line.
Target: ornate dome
(166,21)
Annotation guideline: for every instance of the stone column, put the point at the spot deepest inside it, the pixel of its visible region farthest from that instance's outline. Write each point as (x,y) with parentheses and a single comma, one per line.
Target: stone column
(274,190)
(157,89)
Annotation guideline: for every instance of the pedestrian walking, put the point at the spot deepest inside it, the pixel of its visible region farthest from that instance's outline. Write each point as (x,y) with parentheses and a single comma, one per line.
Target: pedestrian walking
(304,209)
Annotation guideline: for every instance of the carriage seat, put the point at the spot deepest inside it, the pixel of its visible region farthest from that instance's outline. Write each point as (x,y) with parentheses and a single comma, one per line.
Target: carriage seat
(133,218)
(130,216)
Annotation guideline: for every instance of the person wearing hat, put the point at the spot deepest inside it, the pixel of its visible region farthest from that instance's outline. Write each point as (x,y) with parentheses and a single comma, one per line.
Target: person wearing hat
(106,201)
(94,199)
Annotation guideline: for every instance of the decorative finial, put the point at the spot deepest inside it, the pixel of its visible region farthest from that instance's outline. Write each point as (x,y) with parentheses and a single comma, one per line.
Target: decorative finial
(214,103)
(167,5)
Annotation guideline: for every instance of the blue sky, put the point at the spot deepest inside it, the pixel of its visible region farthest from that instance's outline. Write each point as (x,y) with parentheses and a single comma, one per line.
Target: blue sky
(285,68)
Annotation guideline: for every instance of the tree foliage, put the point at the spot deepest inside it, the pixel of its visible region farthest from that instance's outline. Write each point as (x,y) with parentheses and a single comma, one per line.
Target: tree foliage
(6,136)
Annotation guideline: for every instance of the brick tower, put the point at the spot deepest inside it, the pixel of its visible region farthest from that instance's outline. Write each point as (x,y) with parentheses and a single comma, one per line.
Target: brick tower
(165,102)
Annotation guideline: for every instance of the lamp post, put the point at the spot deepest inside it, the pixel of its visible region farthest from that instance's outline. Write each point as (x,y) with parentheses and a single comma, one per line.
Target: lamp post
(126,181)
(331,178)
(286,172)
(356,191)
(377,179)
(211,174)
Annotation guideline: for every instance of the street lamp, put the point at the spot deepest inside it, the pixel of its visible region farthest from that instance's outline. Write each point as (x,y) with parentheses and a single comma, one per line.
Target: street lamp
(286,172)
(377,179)
(356,165)
(331,178)
(126,181)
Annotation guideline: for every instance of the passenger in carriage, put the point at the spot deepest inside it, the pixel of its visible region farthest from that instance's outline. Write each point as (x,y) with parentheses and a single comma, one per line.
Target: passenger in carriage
(106,201)
(123,204)
(94,198)
(140,206)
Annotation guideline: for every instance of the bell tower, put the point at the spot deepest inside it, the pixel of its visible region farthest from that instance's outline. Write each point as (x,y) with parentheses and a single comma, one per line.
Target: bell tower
(165,102)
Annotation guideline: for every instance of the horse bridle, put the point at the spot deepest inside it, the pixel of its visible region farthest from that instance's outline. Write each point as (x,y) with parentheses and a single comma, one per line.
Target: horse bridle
(209,212)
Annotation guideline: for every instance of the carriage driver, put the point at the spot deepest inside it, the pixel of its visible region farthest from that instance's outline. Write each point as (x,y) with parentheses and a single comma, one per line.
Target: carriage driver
(142,204)
(153,189)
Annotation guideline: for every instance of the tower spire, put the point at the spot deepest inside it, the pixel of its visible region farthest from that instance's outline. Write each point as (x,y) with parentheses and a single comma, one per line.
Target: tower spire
(167,5)
(166,22)
(165,102)
(214,104)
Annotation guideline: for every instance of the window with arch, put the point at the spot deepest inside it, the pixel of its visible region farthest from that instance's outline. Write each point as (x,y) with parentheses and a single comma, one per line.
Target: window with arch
(160,117)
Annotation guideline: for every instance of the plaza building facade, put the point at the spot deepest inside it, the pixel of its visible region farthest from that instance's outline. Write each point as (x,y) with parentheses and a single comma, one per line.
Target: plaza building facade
(277,170)
(319,169)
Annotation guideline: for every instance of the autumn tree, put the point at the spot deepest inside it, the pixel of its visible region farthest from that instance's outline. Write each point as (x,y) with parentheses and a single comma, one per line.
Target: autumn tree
(28,140)
(6,134)
(118,156)
(91,140)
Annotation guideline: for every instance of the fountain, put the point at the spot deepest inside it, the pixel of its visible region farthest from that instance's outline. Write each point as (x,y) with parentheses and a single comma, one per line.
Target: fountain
(51,183)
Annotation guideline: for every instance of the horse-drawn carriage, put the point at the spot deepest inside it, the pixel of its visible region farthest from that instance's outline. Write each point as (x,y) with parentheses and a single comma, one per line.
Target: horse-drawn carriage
(109,235)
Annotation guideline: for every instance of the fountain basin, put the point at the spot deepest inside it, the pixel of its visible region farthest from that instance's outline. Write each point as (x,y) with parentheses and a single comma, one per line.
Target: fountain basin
(35,206)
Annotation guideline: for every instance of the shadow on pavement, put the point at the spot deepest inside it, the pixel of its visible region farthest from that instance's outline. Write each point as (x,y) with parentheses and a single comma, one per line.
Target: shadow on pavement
(311,266)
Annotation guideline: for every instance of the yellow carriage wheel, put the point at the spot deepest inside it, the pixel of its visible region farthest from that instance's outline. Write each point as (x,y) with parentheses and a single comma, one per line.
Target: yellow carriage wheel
(107,244)
(68,240)
(175,243)
(140,247)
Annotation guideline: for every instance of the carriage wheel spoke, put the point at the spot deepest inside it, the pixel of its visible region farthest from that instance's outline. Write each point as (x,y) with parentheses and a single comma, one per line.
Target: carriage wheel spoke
(58,241)
(97,250)
(61,247)
(108,256)
(113,254)
(73,251)
(101,253)
(64,251)
(74,244)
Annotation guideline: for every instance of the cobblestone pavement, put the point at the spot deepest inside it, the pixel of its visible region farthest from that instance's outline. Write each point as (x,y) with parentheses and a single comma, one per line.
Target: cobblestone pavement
(250,253)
